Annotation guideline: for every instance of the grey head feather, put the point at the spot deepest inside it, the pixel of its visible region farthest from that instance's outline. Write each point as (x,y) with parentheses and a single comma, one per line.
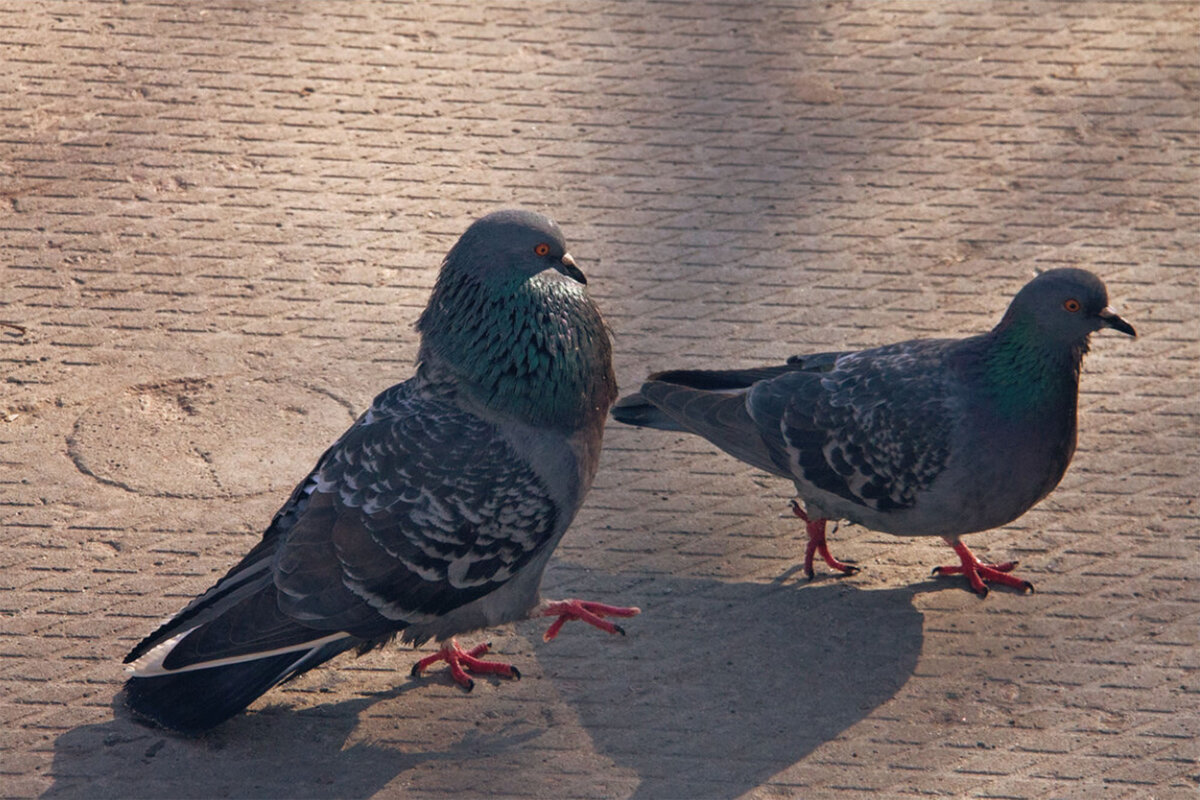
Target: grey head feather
(1064,306)
(511,321)
(502,248)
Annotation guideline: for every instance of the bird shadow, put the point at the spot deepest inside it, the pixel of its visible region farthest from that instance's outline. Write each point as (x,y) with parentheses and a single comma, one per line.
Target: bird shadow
(275,752)
(717,687)
(734,682)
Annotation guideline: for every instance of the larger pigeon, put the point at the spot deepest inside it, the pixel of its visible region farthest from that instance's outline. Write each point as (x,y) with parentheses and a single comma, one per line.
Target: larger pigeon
(937,437)
(436,512)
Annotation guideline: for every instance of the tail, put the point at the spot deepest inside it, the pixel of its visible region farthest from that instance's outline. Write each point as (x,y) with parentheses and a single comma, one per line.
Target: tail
(636,409)
(633,409)
(192,701)
(221,653)
(710,404)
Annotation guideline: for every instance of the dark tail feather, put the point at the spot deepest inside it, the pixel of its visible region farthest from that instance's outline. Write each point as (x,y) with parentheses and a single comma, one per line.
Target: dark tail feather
(192,702)
(636,410)
(721,380)
(719,416)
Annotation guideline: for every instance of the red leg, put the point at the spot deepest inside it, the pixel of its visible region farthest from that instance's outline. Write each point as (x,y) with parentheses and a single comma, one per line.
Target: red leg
(591,613)
(980,574)
(462,661)
(817,544)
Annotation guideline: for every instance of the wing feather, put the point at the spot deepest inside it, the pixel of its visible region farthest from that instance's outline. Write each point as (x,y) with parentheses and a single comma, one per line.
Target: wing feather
(420,508)
(870,427)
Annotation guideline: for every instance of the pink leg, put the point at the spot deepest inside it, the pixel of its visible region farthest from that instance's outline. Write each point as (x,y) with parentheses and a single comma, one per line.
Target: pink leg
(591,613)
(980,574)
(817,544)
(461,661)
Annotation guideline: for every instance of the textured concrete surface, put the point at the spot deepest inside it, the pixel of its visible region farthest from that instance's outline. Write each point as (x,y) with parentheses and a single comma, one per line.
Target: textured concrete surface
(218,222)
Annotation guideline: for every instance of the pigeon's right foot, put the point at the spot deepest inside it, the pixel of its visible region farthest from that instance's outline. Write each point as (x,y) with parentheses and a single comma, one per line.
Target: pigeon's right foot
(462,661)
(979,575)
(592,613)
(817,544)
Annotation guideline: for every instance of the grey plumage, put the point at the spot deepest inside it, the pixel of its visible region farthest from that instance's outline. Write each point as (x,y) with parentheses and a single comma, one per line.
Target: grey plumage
(436,512)
(928,437)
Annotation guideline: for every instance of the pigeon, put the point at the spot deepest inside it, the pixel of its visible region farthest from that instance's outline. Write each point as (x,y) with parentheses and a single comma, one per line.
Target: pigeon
(435,513)
(929,437)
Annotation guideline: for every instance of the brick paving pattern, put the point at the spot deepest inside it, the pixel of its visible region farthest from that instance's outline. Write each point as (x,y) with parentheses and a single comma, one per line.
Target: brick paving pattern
(219,221)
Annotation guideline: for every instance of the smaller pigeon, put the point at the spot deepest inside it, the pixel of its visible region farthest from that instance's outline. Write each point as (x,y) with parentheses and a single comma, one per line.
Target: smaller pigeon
(930,437)
(436,513)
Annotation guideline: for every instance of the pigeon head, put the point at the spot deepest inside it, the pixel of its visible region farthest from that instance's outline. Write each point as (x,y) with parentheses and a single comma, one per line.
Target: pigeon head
(511,321)
(1064,306)
(506,248)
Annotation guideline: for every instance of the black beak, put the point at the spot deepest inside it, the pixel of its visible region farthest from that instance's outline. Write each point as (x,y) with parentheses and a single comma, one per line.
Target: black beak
(568,267)
(1113,320)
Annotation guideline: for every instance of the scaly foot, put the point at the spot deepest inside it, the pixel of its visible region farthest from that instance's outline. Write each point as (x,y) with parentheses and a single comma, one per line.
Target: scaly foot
(979,575)
(591,613)
(462,661)
(817,544)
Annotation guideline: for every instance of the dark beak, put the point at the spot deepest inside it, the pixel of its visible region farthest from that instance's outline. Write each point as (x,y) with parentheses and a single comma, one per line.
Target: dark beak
(1113,320)
(568,267)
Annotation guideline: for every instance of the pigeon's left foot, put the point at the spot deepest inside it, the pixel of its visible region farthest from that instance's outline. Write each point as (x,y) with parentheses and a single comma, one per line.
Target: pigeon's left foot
(979,575)
(462,661)
(817,544)
(591,613)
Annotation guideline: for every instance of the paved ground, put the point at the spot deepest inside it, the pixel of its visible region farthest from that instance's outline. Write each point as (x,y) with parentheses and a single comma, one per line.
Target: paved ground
(219,221)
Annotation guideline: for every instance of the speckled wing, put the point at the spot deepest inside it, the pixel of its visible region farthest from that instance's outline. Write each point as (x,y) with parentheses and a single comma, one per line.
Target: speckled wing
(873,427)
(418,509)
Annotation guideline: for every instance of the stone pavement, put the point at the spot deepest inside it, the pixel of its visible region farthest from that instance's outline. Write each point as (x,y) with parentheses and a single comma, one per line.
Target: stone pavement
(218,222)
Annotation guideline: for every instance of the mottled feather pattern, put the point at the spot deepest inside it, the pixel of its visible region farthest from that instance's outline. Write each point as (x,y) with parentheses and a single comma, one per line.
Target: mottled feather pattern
(871,428)
(444,498)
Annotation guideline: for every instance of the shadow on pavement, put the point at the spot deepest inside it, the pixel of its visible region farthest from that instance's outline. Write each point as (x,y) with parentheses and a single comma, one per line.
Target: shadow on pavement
(744,681)
(276,752)
(718,687)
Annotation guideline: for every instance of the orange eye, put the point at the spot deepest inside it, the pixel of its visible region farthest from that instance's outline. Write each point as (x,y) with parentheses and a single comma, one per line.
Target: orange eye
(542,249)
(1072,305)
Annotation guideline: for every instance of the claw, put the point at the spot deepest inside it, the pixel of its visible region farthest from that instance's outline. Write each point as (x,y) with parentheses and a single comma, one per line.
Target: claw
(461,661)
(591,613)
(978,574)
(817,544)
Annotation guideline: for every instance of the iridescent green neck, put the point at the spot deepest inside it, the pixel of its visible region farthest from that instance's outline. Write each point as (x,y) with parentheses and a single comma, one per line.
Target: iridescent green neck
(537,349)
(1023,375)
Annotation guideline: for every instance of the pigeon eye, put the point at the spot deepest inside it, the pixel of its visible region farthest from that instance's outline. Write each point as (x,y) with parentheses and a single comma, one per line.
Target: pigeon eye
(1072,305)
(542,249)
